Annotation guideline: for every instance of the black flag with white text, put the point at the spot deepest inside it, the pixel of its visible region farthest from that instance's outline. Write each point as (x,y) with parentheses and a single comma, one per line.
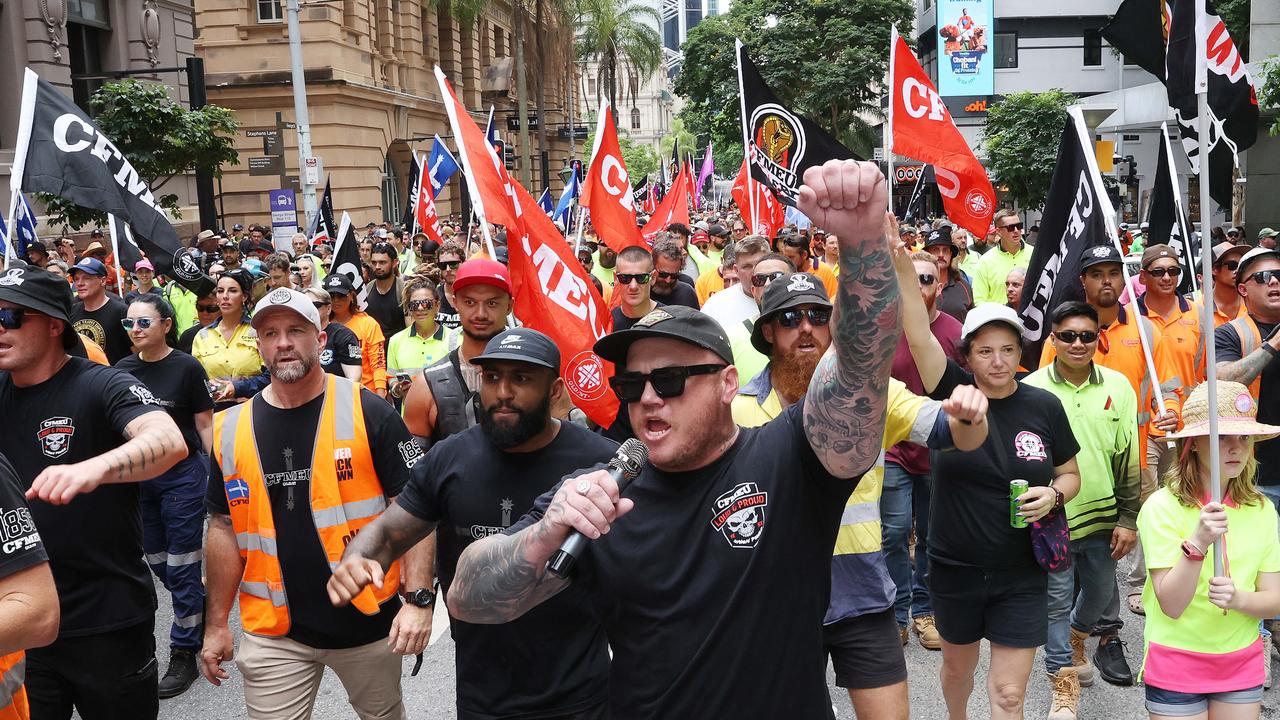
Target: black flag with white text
(346,259)
(1168,222)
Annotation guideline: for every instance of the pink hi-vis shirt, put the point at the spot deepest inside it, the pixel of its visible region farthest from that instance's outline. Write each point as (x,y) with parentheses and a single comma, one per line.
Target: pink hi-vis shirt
(1205,651)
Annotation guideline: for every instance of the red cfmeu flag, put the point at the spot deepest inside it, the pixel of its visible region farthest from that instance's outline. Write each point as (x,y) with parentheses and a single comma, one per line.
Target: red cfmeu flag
(555,296)
(607,189)
(923,130)
(425,208)
(673,209)
(769,213)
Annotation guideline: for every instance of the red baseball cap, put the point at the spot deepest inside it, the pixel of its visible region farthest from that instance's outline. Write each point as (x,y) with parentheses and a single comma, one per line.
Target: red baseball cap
(481,271)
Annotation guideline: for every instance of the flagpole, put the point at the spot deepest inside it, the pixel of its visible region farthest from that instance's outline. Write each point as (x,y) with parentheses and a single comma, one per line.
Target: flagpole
(9,251)
(888,126)
(418,195)
(1177,204)
(112,221)
(477,202)
(1206,320)
(746,135)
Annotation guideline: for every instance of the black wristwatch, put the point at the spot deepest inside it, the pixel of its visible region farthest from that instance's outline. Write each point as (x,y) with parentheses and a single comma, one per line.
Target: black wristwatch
(423,598)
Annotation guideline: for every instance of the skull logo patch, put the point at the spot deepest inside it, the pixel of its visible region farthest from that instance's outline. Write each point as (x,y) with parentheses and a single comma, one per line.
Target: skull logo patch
(739,515)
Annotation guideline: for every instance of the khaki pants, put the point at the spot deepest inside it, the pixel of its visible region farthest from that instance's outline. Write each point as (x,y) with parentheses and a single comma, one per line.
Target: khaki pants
(1160,456)
(281,678)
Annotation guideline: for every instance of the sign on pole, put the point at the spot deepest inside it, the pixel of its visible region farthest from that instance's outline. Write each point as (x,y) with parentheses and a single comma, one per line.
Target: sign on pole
(284,214)
(966,65)
(311,171)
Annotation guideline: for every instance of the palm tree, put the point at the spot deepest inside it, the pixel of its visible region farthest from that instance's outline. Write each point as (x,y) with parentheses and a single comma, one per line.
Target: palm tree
(619,34)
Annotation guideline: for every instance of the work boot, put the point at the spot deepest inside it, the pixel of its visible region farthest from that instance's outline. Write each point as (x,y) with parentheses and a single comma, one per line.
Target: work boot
(1066,694)
(180,675)
(1111,662)
(1080,661)
(927,632)
(905,635)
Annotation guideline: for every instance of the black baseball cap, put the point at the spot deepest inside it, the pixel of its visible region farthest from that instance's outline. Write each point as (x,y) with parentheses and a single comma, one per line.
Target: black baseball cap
(669,321)
(718,230)
(521,345)
(338,283)
(31,287)
(941,236)
(1098,255)
(784,293)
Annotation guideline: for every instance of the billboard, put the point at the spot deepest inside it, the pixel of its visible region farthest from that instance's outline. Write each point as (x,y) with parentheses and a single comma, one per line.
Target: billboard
(965,34)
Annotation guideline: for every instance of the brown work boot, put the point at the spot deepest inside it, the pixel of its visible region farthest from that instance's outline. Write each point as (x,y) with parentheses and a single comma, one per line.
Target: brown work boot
(1079,660)
(1066,694)
(927,632)
(905,635)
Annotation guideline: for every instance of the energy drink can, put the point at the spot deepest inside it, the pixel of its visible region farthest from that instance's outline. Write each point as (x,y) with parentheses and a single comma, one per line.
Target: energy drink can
(1016,489)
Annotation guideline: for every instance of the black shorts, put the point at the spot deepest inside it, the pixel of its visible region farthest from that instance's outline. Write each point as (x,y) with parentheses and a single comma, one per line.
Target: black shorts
(866,651)
(1009,607)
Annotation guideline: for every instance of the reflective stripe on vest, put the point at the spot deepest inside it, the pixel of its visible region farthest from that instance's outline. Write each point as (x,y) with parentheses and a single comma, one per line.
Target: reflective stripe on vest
(1250,341)
(345,495)
(13,696)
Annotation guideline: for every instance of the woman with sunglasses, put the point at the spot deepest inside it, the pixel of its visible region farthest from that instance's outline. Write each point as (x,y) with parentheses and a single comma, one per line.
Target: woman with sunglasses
(207,312)
(228,348)
(173,503)
(1204,656)
(341,353)
(421,343)
(984,579)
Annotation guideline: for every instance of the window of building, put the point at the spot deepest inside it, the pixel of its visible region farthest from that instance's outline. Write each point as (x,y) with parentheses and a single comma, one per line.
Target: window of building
(1092,48)
(1006,50)
(635,118)
(499,46)
(84,46)
(390,190)
(591,87)
(270,11)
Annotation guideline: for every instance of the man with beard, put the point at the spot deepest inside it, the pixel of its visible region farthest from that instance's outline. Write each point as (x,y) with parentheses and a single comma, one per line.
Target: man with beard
(749,360)
(295,473)
(634,278)
(955,297)
(553,661)
(606,260)
(670,285)
(442,400)
(383,301)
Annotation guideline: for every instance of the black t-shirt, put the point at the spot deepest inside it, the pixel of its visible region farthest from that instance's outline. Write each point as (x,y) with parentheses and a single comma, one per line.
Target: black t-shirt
(682,294)
(446,313)
(341,347)
(286,444)
(553,660)
(187,337)
(103,327)
(20,544)
(712,590)
(180,385)
(95,541)
(132,295)
(622,322)
(969,511)
(1267,452)
(386,310)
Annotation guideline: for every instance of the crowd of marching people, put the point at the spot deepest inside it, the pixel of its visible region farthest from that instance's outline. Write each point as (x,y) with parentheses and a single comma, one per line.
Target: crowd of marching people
(819,487)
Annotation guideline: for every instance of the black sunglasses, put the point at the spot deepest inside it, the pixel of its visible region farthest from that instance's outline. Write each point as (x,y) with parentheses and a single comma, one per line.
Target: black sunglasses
(668,382)
(927,280)
(626,278)
(448,264)
(1161,272)
(763,279)
(1228,264)
(667,275)
(1264,277)
(1070,336)
(11,318)
(421,304)
(208,308)
(1011,227)
(817,317)
(319,304)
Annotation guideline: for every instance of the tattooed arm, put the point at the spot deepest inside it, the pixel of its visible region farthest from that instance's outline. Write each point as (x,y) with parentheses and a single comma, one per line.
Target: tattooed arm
(377,545)
(844,412)
(1243,370)
(153,444)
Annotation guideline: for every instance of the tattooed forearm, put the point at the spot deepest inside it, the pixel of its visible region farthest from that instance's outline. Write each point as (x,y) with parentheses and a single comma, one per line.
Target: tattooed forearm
(844,412)
(499,579)
(1246,369)
(153,445)
(389,537)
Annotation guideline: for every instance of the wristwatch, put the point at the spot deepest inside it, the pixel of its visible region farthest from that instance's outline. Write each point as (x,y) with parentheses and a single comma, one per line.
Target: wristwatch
(422,597)
(1191,552)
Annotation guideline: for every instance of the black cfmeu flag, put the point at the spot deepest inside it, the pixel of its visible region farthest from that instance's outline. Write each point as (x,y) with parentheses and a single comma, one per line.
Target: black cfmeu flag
(1168,222)
(783,144)
(1139,32)
(346,258)
(1073,222)
(62,152)
(640,192)
(411,203)
(1233,105)
(322,225)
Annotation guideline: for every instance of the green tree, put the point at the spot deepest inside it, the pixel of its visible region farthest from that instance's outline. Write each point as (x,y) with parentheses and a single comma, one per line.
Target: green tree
(688,143)
(826,60)
(1269,89)
(161,138)
(641,160)
(1022,136)
(620,36)
(1235,15)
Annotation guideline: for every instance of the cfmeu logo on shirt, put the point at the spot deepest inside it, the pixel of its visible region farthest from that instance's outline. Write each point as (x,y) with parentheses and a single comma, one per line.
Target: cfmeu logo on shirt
(55,435)
(739,515)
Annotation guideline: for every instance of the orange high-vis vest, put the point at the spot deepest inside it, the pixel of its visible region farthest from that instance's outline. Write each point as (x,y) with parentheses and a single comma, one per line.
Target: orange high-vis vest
(1250,340)
(13,696)
(345,496)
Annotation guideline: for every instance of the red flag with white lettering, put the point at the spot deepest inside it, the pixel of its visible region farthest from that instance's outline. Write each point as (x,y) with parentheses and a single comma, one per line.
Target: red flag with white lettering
(673,209)
(425,208)
(554,295)
(607,189)
(923,130)
(770,214)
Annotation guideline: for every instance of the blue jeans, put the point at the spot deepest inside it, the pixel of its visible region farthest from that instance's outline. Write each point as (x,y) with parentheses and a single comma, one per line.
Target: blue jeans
(1096,609)
(904,493)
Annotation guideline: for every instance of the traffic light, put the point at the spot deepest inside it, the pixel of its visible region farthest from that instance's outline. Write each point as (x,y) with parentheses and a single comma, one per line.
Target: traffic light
(1131,179)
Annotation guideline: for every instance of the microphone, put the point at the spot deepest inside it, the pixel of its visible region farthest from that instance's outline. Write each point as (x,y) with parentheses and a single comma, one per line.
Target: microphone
(624,466)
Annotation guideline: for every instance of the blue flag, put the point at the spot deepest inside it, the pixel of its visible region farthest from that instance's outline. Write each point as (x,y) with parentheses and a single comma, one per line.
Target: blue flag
(24,228)
(491,132)
(544,201)
(567,198)
(440,167)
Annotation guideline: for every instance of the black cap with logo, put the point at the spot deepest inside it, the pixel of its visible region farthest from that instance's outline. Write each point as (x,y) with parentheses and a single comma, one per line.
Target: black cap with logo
(676,322)
(338,283)
(788,291)
(1097,255)
(521,345)
(31,287)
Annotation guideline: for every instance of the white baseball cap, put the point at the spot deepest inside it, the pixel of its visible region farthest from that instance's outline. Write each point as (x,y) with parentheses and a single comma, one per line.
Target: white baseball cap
(987,313)
(286,299)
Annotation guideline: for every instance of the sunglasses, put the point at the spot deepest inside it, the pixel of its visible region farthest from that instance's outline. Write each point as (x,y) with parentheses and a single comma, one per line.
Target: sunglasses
(927,280)
(421,304)
(639,278)
(1172,272)
(668,382)
(140,323)
(295,268)
(667,275)
(793,241)
(1070,336)
(448,264)
(11,318)
(1228,264)
(1264,277)
(208,308)
(319,304)
(1011,227)
(763,279)
(817,317)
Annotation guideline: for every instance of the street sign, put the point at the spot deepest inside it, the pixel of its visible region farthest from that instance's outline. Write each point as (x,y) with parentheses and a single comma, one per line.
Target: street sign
(284,212)
(513,123)
(579,132)
(265,165)
(877,154)
(260,132)
(311,171)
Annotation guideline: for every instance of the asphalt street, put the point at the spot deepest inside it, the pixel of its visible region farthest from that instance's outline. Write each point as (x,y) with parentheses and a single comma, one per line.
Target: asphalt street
(430,695)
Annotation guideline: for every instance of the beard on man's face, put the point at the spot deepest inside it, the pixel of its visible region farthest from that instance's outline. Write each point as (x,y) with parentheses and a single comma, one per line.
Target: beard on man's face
(296,368)
(527,424)
(792,370)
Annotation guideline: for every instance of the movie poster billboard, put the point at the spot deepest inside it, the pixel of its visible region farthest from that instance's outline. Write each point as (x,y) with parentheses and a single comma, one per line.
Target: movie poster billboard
(965,37)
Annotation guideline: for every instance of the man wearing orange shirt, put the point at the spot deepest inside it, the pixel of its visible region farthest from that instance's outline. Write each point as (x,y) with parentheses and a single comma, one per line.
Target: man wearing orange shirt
(796,249)
(1175,316)
(1227,303)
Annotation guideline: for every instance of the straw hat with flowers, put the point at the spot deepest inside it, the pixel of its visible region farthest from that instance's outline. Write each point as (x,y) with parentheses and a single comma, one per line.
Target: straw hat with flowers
(1237,413)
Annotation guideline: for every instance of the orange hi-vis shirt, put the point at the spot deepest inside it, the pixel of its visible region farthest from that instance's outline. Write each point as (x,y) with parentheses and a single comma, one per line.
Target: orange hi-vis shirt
(1183,342)
(373,352)
(1219,318)
(1120,349)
